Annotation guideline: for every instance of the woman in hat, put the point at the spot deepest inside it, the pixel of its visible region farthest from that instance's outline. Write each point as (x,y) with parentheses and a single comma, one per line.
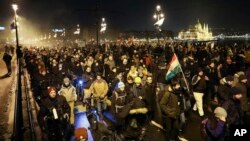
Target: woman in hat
(214,128)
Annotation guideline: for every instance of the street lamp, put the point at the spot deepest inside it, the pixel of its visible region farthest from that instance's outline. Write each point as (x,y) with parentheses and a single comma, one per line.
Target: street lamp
(15,7)
(103,26)
(159,17)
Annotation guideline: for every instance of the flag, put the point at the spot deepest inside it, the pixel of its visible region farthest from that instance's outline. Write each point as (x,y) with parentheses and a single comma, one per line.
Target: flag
(174,68)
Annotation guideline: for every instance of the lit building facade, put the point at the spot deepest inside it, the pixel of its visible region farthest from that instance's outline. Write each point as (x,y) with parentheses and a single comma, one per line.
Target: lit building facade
(196,33)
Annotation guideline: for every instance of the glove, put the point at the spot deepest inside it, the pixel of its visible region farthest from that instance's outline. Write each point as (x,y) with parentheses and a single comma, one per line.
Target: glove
(66,116)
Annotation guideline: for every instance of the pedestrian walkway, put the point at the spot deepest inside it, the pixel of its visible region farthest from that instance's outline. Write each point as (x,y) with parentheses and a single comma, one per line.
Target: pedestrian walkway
(7,99)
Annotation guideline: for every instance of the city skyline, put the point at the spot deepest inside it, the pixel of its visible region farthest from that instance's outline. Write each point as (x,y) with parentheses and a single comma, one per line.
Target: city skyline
(131,14)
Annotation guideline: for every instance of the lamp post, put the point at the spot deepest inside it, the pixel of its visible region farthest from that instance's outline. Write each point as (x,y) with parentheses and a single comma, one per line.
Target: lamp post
(159,17)
(15,7)
(103,26)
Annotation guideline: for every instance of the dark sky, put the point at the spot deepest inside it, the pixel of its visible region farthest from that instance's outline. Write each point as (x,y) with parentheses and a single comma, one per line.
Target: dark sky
(132,14)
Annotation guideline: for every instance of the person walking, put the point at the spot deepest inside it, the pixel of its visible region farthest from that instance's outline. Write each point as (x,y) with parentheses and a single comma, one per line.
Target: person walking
(69,92)
(7,57)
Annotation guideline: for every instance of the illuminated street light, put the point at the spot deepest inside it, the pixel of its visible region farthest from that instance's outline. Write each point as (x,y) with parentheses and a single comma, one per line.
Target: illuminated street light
(77,32)
(158,7)
(103,26)
(159,17)
(15,7)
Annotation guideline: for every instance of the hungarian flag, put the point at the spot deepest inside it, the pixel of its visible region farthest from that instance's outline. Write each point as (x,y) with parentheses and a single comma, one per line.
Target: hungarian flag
(174,68)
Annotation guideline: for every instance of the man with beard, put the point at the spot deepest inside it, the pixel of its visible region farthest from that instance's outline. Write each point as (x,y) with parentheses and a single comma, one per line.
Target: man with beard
(54,115)
(69,92)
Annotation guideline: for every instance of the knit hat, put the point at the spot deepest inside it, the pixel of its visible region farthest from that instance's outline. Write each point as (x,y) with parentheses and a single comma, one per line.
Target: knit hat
(220,113)
(50,89)
(66,80)
(235,91)
(137,80)
(120,85)
(242,77)
(229,78)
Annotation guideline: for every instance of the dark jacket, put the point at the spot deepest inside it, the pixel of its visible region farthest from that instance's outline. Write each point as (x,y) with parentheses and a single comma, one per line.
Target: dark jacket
(216,134)
(244,100)
(169,104)
(150,96)
(46,110)
(223,91)
(88,79)
(199,85)
(234,112)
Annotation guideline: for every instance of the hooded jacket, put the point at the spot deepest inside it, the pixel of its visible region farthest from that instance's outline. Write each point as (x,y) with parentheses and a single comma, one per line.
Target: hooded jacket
(68,92)
(99,88)
(169,103)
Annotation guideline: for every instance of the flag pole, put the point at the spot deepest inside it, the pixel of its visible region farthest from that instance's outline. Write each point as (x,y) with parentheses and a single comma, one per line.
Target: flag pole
(185,80)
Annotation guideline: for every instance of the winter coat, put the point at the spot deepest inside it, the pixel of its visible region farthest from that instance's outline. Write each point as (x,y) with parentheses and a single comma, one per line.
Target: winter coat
(244,100)
(46,110)
(234,111)
(87,79)
(119,100)
(199,85)
(150,96)
(59,103)
(217,134)
(68,92)
(169,104)
(223,91)
(99,88)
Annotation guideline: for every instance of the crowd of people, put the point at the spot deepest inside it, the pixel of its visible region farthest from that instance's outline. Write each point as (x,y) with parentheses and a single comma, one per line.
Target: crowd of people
(130,82)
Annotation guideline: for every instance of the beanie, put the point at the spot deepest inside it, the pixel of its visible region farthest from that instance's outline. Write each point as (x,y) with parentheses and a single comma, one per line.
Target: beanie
(120,85)
(66,80)
(137,80)
(220,113)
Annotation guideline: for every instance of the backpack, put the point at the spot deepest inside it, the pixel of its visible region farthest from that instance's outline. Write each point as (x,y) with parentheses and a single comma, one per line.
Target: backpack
(81,134)
(120,101)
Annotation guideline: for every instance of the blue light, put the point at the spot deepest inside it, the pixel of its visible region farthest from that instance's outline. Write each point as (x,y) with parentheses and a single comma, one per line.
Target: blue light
(80,82)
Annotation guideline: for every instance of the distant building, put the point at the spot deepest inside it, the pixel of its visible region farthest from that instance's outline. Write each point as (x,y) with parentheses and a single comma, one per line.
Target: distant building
(196,32)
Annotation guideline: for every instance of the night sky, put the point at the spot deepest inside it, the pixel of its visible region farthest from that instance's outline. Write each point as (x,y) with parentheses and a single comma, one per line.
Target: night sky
(131,14)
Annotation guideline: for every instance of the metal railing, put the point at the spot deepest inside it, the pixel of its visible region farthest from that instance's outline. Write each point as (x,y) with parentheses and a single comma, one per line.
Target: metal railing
(29,109)
(17,134)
